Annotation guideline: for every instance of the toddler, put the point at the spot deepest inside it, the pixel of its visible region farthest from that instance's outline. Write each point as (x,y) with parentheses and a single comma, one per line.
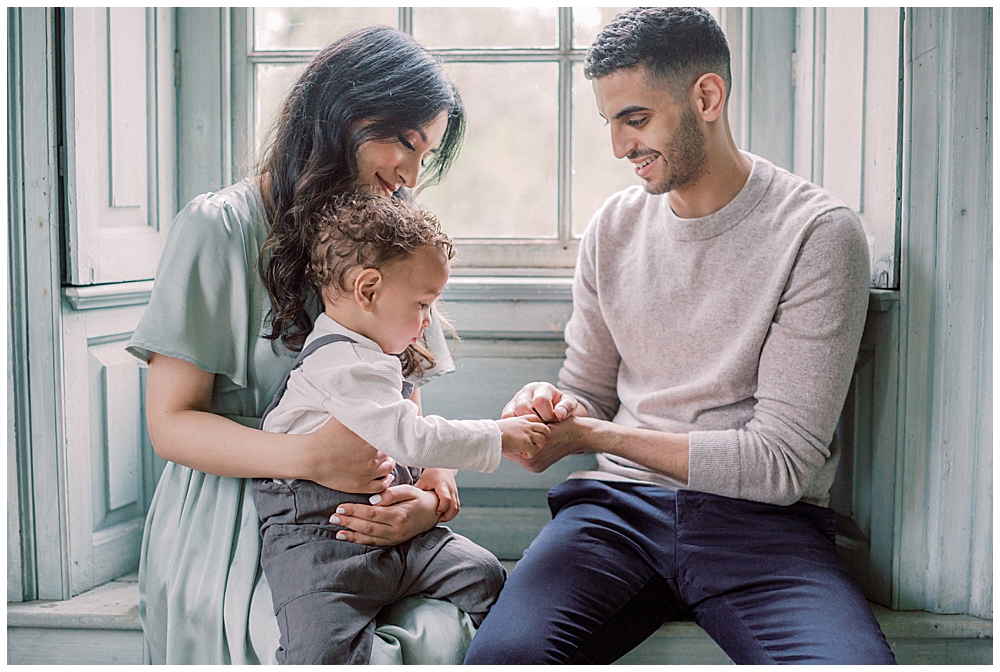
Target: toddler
(378,264)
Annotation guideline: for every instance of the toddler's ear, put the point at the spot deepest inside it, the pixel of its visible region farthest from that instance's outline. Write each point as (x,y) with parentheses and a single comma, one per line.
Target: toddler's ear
(366,288)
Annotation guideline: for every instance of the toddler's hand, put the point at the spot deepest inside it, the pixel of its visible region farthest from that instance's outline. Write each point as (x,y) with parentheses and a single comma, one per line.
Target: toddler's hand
(522,436)
(442,483)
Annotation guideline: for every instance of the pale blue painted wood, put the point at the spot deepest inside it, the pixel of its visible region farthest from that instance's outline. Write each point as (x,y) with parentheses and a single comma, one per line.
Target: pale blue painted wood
(15,574)
(202,129)
(126,113)
(119,149)
(108,451)
(844,81)
(119,382)
(847,121)
(772,41)
(948,238)
(16,336)
(34,241)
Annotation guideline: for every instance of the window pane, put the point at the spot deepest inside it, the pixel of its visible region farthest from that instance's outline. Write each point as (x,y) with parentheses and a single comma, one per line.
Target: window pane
(588,22)
(273,83)
(437,27)
(314,27)
(596,172)
(504,183)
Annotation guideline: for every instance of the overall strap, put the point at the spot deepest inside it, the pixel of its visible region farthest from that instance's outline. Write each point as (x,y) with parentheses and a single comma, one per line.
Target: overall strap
(306,351)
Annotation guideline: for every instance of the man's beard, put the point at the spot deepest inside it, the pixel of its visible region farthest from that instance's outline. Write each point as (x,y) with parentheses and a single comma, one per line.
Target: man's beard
(685,158)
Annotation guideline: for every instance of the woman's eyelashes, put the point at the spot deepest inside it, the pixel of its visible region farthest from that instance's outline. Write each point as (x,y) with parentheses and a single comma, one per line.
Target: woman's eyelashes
(406,143)
(426,159)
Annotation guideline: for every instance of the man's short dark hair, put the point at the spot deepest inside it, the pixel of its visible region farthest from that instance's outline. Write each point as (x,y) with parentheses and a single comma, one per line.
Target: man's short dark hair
(677,45)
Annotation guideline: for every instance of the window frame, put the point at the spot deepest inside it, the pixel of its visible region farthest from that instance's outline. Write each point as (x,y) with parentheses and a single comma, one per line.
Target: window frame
(479,256)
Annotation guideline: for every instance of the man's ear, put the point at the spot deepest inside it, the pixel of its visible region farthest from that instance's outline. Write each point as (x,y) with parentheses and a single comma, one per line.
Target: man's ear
(366,287)
(709,96)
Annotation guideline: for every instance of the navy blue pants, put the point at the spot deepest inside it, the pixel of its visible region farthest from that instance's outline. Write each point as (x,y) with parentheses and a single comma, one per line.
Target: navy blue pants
(618,560)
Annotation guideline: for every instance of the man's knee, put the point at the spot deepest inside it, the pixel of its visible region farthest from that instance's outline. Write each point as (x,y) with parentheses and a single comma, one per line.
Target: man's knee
(494,647)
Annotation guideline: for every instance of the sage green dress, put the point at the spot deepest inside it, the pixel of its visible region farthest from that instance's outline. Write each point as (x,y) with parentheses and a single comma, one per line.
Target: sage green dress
(202,595)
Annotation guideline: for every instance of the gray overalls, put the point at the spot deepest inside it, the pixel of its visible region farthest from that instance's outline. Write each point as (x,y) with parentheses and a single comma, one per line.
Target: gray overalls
(326,592)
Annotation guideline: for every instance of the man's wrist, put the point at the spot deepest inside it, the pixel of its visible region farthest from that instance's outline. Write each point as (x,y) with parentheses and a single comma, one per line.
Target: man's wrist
(664,452)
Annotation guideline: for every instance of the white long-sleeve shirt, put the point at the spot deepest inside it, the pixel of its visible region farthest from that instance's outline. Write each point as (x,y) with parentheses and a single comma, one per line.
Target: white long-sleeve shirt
(360,386)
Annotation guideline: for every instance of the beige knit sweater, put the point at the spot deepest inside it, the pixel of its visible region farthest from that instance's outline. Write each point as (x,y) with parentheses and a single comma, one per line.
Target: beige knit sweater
(740,328)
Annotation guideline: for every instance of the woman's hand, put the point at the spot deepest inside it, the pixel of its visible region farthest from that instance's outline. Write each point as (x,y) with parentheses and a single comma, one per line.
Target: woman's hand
(398,515)
(346,462)
(442,483)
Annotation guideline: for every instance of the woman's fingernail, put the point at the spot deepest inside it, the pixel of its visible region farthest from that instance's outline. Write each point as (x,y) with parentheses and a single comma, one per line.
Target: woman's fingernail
(335,520)
(341,510)
(341,536)
(375,499)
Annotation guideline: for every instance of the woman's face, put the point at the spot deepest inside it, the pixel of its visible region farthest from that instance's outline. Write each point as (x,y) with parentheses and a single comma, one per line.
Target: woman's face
(387,165)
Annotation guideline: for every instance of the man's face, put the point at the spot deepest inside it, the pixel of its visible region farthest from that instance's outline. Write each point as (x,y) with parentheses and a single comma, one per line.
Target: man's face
(649,127)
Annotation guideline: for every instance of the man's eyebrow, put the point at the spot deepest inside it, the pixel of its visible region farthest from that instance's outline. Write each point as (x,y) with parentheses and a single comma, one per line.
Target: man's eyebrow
(630,110)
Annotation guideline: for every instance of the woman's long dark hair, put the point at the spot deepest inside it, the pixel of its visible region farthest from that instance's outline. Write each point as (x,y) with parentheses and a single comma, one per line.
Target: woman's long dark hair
(374,84)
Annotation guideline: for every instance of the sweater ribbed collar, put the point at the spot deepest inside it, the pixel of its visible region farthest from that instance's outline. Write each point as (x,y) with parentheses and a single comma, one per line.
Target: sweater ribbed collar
(731,214)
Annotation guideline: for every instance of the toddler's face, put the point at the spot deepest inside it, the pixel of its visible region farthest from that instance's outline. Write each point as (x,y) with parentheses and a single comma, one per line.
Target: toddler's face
(403,307)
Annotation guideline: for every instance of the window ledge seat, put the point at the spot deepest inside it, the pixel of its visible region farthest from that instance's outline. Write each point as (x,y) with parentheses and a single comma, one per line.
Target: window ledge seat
(102,626)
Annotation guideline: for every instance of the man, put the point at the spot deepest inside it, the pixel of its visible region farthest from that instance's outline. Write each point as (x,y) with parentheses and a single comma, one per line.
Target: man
(716,319)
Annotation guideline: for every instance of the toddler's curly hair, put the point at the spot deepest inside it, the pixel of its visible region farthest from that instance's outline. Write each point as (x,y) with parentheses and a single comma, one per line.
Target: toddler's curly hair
(368,230)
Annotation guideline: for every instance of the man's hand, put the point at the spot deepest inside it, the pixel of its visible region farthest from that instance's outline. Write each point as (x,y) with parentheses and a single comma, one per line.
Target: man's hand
(442,483)
(545,401)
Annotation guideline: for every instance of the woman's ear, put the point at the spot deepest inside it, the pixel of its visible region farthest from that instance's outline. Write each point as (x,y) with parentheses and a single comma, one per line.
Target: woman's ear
(366,287)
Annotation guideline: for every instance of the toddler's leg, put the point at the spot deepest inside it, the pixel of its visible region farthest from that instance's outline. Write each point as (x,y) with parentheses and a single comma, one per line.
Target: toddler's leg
(324,628)
(325,595)
(447,566)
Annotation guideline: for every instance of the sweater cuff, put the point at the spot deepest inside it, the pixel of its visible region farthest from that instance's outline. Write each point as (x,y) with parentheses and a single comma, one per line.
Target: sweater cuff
(714,462)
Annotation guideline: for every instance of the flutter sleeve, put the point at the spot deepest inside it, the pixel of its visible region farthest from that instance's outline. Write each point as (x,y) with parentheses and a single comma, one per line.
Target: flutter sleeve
(200,307)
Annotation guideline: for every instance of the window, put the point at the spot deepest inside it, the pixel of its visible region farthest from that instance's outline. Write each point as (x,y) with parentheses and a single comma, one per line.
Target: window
(536,163)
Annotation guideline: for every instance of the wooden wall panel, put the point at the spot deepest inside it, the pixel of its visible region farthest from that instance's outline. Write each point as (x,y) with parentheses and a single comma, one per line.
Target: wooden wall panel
(111,467)
(843,130)
(945,494)
(117,376)
(120,171)
(848,121)
(771,108)
(126,116)
(35,347)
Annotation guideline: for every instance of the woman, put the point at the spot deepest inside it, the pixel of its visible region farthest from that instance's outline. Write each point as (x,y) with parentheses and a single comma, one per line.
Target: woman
(229,309)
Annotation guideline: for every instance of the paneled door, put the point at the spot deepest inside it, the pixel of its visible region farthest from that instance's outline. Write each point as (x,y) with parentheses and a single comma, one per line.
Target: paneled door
(120,167)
